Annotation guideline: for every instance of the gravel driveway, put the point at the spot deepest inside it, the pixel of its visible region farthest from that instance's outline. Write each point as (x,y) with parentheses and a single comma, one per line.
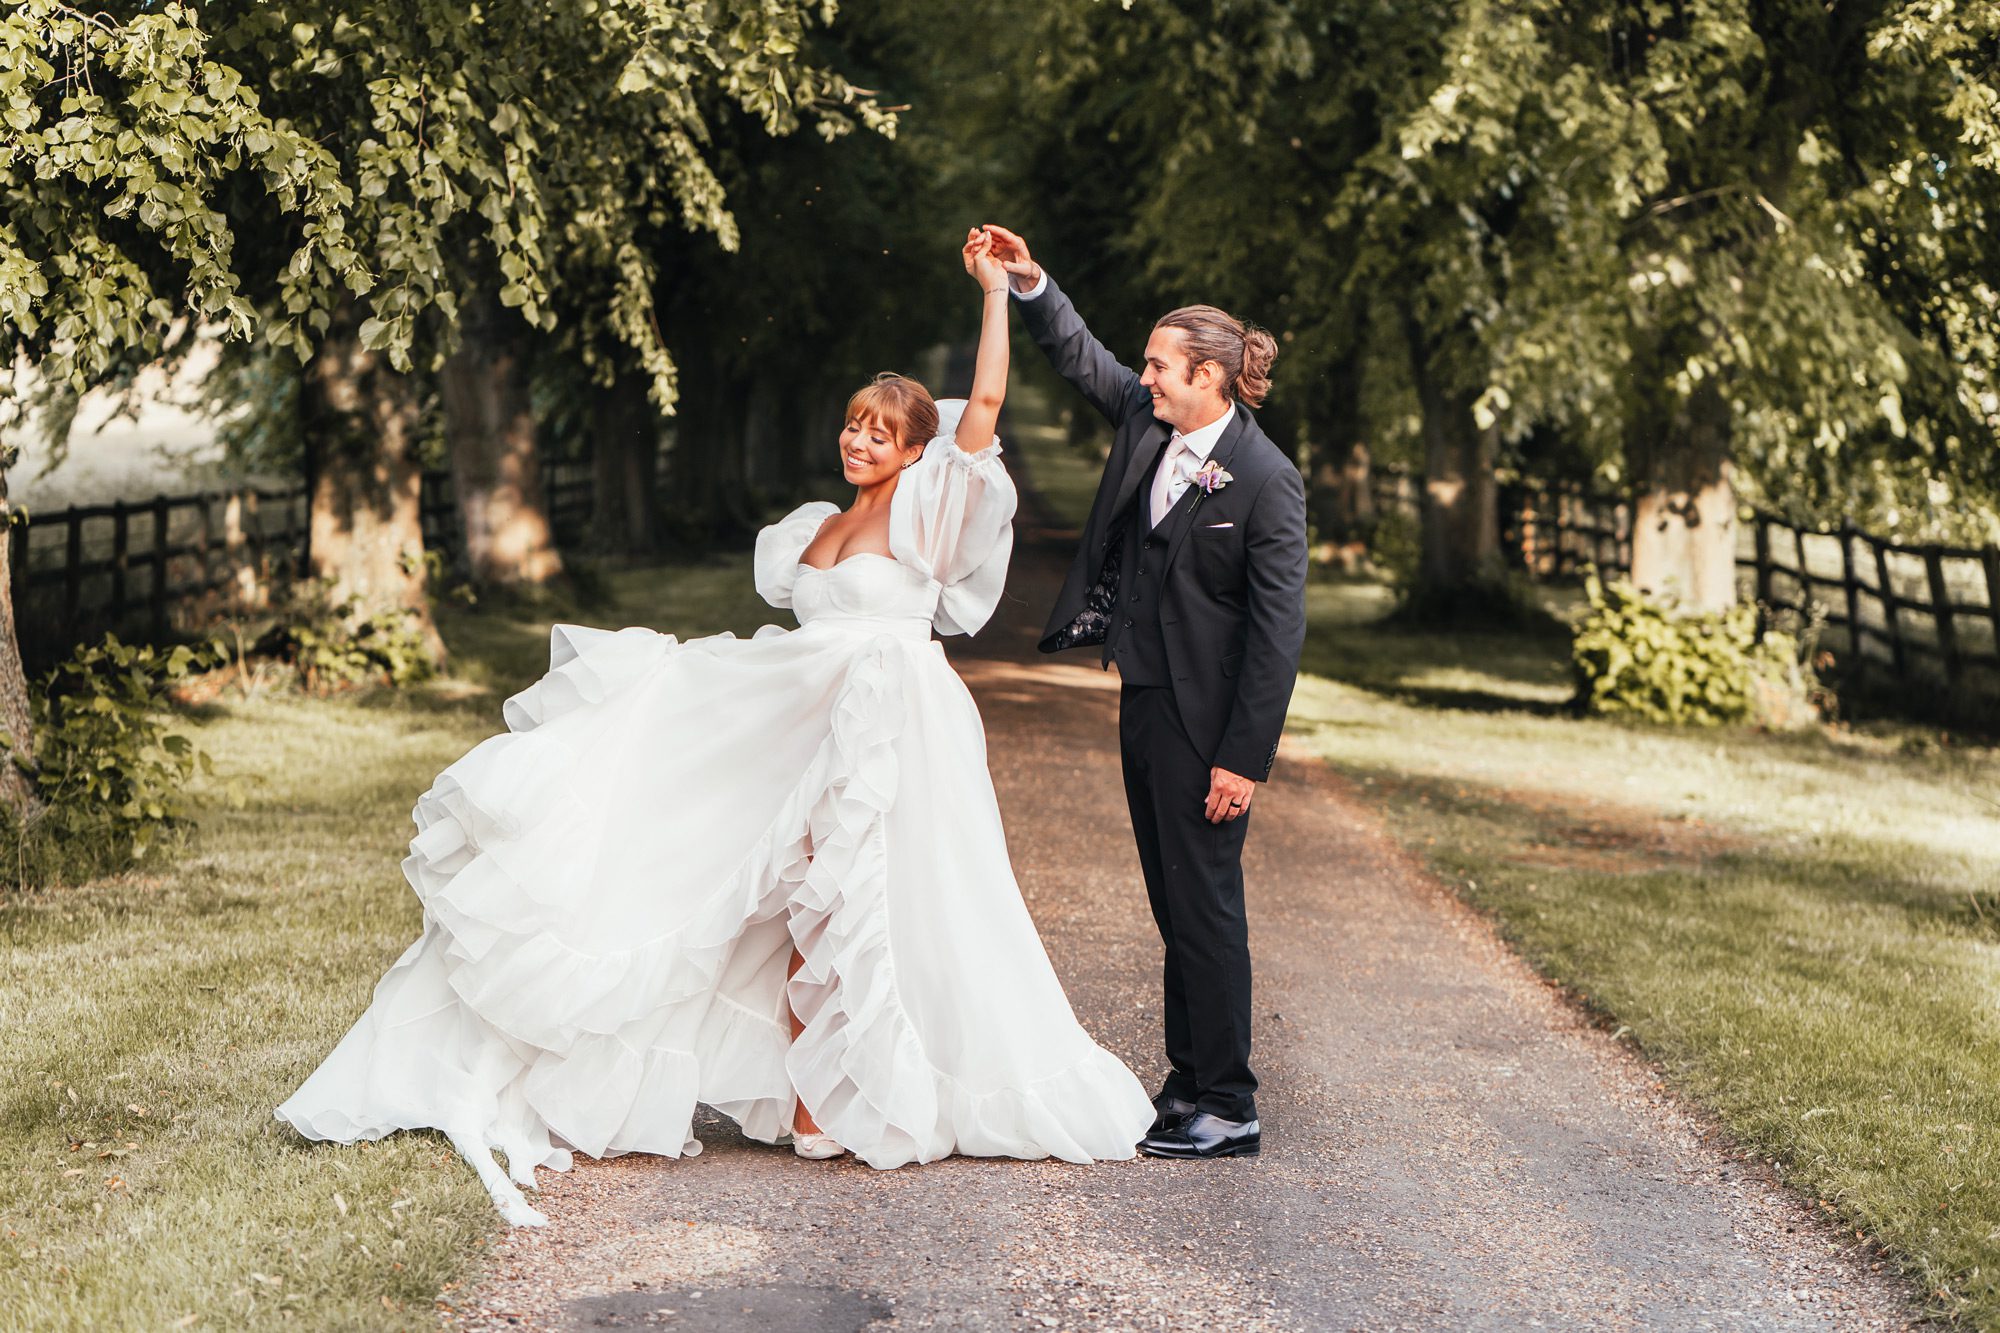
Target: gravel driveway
(1447,1144)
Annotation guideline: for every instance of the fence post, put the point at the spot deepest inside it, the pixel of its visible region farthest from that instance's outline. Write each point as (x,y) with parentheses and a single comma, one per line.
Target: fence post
(72,576)
(253,528)
(1760,532)
(161,518)
(120,550)
(1890,620)
(204,544)
(1989,560)
(1947,634)
(1850,584)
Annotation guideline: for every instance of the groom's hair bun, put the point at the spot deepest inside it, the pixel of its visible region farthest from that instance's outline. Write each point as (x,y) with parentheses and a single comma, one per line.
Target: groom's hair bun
(1244,351)
(898,402)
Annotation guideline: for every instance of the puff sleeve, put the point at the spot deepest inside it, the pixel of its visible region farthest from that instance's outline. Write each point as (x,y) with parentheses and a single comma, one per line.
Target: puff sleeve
(780,545)
(952,518)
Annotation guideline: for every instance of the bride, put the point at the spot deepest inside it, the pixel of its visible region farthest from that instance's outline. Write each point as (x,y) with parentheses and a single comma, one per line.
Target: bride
(763,874)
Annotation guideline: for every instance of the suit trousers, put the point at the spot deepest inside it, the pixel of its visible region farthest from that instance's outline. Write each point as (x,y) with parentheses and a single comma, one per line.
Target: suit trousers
(1194,880)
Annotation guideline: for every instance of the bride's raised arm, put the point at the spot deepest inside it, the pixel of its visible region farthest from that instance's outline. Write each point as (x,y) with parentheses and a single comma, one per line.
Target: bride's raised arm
(989,375)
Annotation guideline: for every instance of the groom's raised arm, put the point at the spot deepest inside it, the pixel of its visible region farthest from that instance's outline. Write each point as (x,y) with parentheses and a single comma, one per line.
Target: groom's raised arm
(1074,351)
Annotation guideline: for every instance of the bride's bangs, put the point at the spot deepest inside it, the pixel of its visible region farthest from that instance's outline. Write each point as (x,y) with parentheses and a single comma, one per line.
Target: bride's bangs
(899,403)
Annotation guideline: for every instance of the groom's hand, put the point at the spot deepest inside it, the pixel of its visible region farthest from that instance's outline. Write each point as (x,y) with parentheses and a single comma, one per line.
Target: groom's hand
(1012,252)
(1228,795)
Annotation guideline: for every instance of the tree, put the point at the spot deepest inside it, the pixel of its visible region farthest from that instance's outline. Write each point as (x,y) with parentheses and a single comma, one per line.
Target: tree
(1248,140)
(1708,207)
(382,145)
(1689,246)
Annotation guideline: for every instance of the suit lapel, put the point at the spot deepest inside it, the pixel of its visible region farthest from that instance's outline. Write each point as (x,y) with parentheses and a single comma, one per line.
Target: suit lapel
(1146,451)
(1190,501)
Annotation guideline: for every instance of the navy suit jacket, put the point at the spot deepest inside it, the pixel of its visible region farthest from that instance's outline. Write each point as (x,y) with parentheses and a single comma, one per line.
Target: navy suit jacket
(1233,604)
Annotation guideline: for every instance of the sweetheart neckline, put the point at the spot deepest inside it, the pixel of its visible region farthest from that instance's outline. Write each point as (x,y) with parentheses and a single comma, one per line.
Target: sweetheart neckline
(858,555)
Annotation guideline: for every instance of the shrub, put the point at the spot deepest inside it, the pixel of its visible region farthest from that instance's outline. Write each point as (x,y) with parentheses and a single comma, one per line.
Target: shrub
(108,772)
(1647,657)
(332,649)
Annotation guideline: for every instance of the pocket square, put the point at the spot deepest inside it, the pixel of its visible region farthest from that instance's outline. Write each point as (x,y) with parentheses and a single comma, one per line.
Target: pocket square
(1213,526)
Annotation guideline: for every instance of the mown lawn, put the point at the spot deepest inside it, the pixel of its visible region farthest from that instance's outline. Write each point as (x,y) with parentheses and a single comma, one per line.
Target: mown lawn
(152,1021)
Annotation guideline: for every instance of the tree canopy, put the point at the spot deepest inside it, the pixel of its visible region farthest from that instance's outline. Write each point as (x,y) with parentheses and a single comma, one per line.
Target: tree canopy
(252,165)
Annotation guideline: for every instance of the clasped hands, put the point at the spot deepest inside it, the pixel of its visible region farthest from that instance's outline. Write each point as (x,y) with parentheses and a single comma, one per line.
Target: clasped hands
(995,255)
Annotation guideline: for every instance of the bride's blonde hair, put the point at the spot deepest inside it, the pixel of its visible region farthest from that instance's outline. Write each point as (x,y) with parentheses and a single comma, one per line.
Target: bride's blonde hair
(900,403)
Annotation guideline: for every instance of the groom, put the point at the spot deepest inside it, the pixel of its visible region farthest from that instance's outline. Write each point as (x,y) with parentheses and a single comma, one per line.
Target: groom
(1192,576)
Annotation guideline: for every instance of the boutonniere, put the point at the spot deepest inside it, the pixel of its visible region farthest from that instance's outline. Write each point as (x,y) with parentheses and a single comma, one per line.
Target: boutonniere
(1212,477)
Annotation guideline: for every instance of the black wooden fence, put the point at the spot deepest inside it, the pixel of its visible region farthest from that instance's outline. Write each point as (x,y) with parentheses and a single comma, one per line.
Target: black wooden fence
(174,562)
(1924,614)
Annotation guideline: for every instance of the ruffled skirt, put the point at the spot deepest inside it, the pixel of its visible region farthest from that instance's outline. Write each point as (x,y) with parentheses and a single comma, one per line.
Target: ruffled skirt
(613,888)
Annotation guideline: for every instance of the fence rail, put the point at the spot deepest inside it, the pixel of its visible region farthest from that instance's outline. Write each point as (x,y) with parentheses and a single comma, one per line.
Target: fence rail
(1919,613)
(1922,613)
(176,561)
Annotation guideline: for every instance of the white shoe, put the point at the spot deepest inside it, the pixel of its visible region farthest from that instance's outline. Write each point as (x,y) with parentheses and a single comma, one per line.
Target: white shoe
(816,1146)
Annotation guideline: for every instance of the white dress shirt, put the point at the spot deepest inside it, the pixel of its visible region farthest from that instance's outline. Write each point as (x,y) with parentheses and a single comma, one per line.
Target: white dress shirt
(1184,457)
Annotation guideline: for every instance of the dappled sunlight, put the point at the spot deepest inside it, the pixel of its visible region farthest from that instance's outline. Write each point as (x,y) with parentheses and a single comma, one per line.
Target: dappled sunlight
(1809,787)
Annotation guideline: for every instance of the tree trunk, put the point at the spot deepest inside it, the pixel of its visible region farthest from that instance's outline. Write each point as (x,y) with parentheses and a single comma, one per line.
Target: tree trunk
(625,451)
(17,791)
(1684,509)
(490,432)
(365,529)
(1460,557)
(1340,499)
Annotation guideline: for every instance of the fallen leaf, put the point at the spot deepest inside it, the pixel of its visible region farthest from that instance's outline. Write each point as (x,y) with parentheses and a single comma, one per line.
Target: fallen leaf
(340,1203)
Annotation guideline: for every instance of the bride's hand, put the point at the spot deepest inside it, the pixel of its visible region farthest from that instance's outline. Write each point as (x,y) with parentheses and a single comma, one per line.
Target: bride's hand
(980,261)
(1012,252)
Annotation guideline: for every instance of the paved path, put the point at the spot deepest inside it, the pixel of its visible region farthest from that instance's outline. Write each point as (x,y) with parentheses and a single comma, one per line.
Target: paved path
(1446,1144)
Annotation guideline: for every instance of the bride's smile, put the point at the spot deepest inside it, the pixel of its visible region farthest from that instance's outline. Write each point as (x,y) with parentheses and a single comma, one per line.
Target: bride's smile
(870,453)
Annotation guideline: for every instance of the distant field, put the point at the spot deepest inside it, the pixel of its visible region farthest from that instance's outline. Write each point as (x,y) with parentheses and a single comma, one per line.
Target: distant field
(166,449)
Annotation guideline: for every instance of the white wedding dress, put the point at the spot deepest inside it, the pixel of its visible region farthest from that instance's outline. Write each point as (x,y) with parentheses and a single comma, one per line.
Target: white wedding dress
(612,889)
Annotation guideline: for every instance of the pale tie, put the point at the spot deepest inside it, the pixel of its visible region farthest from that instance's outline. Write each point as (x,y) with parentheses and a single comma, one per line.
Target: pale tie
(1176,471)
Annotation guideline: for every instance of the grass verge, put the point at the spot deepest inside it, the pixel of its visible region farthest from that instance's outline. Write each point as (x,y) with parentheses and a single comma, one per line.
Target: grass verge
(154,1019)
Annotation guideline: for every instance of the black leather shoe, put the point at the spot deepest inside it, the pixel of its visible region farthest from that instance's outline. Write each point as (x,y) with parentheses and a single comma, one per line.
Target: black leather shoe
(1205,1135)
(1172,1110)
